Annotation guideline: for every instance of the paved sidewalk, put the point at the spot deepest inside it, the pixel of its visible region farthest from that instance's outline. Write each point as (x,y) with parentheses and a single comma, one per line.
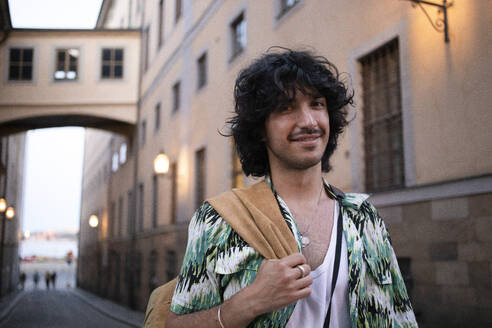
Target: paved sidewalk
(8,302)
(110,309)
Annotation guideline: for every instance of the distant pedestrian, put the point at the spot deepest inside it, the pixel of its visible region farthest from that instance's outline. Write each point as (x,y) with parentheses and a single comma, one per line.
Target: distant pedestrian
(22,279)
(53,279)
(35,278)
(47,279)
(69,257)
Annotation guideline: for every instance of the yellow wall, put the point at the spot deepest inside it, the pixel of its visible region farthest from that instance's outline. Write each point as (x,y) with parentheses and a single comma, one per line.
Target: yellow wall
(445,113)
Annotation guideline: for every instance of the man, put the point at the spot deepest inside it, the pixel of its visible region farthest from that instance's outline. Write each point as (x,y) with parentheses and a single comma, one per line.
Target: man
(289,112)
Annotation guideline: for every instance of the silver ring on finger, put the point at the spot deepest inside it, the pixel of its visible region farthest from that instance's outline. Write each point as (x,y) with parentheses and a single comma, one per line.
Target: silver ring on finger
(303,271)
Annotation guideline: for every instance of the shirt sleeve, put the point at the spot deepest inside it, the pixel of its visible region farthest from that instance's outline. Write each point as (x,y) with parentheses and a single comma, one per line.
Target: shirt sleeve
(403,315)
(197,287)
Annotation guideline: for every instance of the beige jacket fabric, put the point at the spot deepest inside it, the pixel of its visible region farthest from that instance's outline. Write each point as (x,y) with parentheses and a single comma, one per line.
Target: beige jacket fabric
(254,214)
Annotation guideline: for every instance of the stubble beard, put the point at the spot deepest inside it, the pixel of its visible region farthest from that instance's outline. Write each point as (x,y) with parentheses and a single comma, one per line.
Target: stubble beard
(297,163)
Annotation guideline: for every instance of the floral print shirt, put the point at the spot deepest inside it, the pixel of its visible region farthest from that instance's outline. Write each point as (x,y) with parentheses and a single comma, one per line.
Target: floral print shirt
(218,263)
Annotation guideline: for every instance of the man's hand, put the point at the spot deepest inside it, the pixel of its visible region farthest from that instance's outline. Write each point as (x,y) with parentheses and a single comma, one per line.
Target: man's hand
(280,283)
(277,284)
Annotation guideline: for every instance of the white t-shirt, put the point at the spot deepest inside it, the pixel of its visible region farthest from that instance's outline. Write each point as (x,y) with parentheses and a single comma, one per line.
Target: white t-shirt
(311,311)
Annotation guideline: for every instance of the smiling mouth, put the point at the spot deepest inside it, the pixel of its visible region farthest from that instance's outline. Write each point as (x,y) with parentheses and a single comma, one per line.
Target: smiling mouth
(305,137)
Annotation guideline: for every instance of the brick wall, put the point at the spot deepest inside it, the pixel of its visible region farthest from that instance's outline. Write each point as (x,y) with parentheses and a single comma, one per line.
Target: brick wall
(449,243)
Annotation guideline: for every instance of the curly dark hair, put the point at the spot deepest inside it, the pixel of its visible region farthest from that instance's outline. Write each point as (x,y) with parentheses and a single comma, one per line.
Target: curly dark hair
(270,82)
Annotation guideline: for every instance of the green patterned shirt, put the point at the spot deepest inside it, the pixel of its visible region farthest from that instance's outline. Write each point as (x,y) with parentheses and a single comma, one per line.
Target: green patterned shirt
(218,263)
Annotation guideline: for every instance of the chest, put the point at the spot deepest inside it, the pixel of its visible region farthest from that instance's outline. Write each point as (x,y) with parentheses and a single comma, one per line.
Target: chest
(318,231)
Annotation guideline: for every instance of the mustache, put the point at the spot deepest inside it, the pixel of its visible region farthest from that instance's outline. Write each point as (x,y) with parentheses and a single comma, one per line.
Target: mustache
(306,132)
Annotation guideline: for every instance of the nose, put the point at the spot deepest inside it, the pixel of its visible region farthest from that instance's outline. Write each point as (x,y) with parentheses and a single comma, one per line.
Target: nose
(305,117)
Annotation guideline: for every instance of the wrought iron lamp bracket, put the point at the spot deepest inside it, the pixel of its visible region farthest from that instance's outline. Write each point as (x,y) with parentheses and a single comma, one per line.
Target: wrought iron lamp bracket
(440,24)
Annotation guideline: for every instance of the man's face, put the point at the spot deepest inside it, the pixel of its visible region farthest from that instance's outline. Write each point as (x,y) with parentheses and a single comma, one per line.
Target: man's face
(296,135)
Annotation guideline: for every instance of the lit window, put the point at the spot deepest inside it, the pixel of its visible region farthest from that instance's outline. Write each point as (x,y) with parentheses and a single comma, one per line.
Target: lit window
(67,64)
(114,164)
(123,150)
(20,64)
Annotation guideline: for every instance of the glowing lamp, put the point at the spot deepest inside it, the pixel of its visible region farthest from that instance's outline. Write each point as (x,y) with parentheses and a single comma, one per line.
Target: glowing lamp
(10,213)
(161,164)
(93,221)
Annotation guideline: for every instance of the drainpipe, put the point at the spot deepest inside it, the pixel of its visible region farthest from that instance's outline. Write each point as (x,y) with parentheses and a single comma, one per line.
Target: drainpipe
(136,145)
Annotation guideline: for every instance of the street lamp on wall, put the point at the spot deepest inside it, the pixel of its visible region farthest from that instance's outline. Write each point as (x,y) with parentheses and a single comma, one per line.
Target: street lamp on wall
(440,24)
(93,221)
(3,205)
(161,163)
(10,213)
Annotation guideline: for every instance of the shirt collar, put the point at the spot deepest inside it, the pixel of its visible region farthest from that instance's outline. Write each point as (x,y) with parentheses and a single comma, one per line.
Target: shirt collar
(353,200)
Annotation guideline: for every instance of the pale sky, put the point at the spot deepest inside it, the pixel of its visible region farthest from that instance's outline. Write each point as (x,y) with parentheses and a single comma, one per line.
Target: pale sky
(53,168)
(53,176)
(54,13)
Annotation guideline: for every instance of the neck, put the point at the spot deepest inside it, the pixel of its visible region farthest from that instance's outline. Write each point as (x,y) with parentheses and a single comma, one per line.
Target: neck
(298,185)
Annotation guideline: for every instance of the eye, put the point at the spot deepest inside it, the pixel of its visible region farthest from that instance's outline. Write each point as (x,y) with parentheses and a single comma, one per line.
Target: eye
(318,103)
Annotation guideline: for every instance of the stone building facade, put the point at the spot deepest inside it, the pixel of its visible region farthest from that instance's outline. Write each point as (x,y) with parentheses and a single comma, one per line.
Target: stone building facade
(418,140)
(12,149)
(11,181)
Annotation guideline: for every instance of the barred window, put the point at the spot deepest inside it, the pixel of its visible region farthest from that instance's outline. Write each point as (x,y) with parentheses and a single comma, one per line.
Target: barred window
(383,139)
(20,64)
(112,64)
(199,177)
(238,35)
